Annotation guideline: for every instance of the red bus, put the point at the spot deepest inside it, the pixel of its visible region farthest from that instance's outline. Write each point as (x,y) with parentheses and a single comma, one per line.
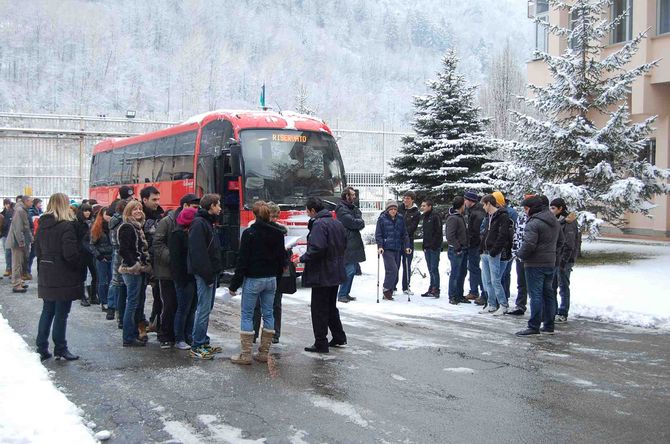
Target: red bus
(242,155)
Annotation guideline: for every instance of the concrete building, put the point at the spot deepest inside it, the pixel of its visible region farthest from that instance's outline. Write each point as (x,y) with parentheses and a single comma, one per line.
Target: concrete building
(650,94)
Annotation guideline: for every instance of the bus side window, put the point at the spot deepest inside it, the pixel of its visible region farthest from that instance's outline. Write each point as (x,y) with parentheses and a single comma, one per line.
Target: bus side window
(162,170)
(184,151)
(116,167)
(145,162)
(102,169)
(129,174)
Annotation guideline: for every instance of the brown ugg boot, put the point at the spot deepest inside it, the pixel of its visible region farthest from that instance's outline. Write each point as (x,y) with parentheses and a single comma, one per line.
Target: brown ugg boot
(142,330)
(246,342)
(264,347)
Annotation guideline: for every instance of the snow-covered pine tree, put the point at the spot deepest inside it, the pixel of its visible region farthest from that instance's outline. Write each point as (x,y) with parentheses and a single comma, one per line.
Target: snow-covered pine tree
(446,155)
(301,98)
(585,148)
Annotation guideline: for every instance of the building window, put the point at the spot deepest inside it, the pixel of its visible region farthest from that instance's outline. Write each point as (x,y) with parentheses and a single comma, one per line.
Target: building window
(541,34)
(663,16)
(574,16)
(624,30)
(648,153)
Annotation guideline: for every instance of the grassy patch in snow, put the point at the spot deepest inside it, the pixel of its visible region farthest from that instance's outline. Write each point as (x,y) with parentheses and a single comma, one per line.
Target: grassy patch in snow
(593,258)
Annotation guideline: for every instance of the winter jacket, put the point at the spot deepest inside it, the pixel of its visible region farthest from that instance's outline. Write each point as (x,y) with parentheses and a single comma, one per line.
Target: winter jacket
(538,248)
(432,231)
(58,253)
(351,217)
(497,237)
(82,228)
(161,253)
(570,230)
(151,219)
(204,248)
(326,247)
(475,215)
(178,248)
(132,249)
(102,248)
(20,235)
(114,224)
(7,221)
(412,217)
(457,236)
(261,254)
(391,234)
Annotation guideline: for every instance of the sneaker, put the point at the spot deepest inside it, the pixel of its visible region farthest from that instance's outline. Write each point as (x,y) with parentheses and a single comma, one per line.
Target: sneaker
(463,300)
(487,310)
(516,312)
(19,290)
(480,301)
(134,343)
(428,294)
(181,345)
(561,319)
(408,292)
(344,300)
(200,353)
(7,273)
(212,350)
(528,332)
(471,296)
(500,311)
(351,298)
(453,301)
(334,343)
(110,314)
(166,344)
(548,331)
(275,340)
(27,277)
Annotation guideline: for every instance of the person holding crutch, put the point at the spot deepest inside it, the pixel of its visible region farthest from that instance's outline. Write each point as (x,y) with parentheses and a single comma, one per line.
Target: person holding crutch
(392,239)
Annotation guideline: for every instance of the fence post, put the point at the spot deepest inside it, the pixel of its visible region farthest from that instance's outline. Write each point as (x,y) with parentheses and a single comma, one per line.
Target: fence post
(81,160)
(383,165)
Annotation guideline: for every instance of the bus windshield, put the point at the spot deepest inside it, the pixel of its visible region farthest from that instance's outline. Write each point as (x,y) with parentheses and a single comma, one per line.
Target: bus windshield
(286,166)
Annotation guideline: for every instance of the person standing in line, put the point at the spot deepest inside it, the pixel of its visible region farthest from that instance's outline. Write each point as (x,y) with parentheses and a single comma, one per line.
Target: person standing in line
(161,267)
(513,216)
(204,262)
(570,232)
(58,252)
(392,238)
(496,251)
(261,261)
(117,295)
(100,248)
(7,214)
(276,306)
(34,213)
(84,214)
(134,252)
(538,253)
(521,288)
(432,246)
(324,272)
(475,216)
(150,197)
(19,238)
(457,241)
(410,212)
(184,282)
(351,217)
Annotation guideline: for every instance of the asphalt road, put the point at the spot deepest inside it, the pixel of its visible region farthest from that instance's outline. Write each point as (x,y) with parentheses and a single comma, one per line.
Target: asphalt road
(409,380)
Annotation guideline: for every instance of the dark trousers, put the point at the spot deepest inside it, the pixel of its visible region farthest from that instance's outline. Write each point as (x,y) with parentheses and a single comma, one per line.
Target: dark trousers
(157,305)
(31,258)
(391,261)
(325,315)
(89,264)
(185,315)
(168,296)
(56,313)
(507,279)
(406,263)
(562,283)
(541,293)
(521,291)
(276,314)
(458,262)
(475,271)
(433,263)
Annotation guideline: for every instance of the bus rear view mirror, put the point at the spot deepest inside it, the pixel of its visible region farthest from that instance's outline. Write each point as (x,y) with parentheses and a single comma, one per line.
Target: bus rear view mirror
(235,159)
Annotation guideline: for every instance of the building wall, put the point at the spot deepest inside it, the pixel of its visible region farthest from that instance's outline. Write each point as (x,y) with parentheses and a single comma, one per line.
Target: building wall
(650,96)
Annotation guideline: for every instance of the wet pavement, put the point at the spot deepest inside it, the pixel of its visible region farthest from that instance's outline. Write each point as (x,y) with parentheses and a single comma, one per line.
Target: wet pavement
(407,380)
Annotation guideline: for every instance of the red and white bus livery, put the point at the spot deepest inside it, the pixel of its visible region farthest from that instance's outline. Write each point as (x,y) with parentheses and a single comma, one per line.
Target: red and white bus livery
(242,155)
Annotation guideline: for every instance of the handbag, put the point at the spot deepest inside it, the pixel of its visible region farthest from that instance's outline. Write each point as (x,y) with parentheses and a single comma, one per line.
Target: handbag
(287,282)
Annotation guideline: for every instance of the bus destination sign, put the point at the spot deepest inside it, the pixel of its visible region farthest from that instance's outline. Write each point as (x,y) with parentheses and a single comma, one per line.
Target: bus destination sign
(289,138)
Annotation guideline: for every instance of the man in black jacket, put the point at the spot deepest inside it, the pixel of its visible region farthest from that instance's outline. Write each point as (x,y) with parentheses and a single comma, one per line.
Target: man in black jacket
(410,212)
(351,217)
(7,213)
(568,254)
(153,213)
(475,216)
(432,246)
(204,262)
(324,272)
(457,241)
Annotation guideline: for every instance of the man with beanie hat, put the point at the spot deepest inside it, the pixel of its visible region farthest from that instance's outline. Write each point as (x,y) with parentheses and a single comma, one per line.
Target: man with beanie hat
(126,192)
(538,252)
(392,238)
(475,216)
(162,272)
(567,256)
(457,241)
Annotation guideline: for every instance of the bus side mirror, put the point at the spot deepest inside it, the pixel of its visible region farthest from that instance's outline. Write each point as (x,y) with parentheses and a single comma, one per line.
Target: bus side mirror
(235,159)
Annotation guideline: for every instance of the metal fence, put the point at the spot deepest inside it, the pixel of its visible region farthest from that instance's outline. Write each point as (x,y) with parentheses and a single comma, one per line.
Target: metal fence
(52,153)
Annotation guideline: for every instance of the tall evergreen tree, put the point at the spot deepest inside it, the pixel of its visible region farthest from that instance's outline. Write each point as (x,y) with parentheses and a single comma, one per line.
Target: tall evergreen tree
(584,147)
(446,155)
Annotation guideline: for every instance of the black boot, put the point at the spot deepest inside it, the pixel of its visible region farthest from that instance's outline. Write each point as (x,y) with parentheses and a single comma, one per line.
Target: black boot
(84,301)
(92,295)
(44,354)
(66,355)
(110,314)
(428,294)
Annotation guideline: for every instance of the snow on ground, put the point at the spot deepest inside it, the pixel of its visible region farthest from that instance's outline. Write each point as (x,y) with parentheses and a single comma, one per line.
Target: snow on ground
(32,410)
(629,293)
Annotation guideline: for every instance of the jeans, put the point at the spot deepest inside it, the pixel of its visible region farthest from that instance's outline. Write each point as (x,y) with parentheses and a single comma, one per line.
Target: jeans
(168,295)
(542,303)
(134,286)
(253,289)
(433,262)
(507,278)
(276,314)
(31,258)
(391,260)
(104,269)
(457,273)
(562,283)
(325,315)
(202,311)
(345,288)
(183,318)
(56,312)
(406,262)
(492,270)
(521,288)
(8,256)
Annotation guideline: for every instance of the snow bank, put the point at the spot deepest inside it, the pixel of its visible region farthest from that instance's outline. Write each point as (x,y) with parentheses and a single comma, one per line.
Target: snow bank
(32,410)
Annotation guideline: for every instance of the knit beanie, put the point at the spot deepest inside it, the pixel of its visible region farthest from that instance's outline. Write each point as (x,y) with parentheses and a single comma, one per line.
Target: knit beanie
(471,196)
(391,203)
(125,192)
(186,216)
(500,198)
